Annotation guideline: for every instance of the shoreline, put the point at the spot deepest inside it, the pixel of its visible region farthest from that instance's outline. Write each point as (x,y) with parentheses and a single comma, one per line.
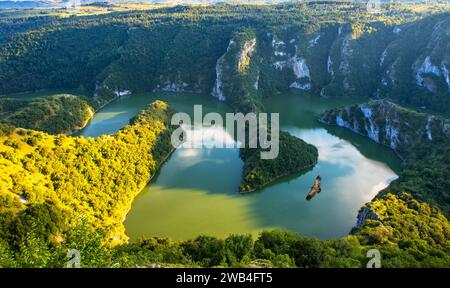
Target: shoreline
(85,124)
(88,121)
(163,161)
(365,136)
(126,238)
(267,184)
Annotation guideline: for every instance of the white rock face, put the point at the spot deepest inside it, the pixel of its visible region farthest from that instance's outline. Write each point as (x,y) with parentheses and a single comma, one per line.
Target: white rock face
(367,112)
(373,132)
(122,93)
(346,51)
(299,67)
(277,43)
(230,45)
(383,123)
(383,56)
(300,70)
(390,127)
(314,41)
(279,65)
(174,87)
(298,64)
(345,123)
(278,47)
(256,85)
(246,51)
(427,68)
(428,129)
(330,66)
(391,72)
(341,122)
(217,90)
(446,75)
(279,53)
(392,134)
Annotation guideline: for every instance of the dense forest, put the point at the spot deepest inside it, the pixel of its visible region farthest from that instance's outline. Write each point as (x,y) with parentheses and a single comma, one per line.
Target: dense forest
(59,192)
(405,237)
(421,140)
(52,181)
(295,155)
(337,50)
(240,54)
(54,114)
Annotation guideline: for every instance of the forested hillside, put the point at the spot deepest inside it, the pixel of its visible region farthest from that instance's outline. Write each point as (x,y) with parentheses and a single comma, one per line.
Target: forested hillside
(51,183)
(59,192)
(54,114)
(421,140)
(295,156)
(423,143)
(337,50)
(404,237)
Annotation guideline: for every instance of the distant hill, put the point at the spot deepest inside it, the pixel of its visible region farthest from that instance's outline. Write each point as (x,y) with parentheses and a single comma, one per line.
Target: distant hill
(27,4)
(251,1)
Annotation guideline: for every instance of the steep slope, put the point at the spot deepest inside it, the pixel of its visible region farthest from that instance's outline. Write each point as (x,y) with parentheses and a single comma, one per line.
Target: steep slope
(407,232)
(414,66)
(237,83)
(340,51)
(237,73)
(390,124)
(421,140)
(55,114)
(238,54)
(58,181)
(334,53)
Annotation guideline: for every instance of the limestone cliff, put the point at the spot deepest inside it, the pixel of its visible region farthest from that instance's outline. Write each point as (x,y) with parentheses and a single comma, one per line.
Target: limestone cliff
(389,124)
(237,73)
(420,139)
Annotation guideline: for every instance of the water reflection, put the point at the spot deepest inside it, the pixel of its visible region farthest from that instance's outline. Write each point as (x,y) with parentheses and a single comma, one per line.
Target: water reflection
(196,191)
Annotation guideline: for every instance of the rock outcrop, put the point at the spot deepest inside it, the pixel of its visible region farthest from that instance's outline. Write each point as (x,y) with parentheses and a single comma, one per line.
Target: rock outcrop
(237,73)
(389,124)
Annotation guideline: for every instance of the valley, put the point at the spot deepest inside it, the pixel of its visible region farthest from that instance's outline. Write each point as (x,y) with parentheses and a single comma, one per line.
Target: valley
(116,190)
(181,184)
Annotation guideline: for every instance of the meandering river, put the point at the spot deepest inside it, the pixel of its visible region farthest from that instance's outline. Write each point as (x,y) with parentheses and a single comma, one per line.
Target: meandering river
(195,191)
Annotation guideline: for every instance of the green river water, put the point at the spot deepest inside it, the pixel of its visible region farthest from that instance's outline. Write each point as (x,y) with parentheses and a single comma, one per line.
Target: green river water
(195,192)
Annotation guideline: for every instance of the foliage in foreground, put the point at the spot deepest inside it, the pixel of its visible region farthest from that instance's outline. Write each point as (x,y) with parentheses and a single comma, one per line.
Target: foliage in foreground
(55,179)
(409,234)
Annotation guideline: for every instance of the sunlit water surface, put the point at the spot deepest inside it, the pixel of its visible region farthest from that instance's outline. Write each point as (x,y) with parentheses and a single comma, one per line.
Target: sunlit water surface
(195,192)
